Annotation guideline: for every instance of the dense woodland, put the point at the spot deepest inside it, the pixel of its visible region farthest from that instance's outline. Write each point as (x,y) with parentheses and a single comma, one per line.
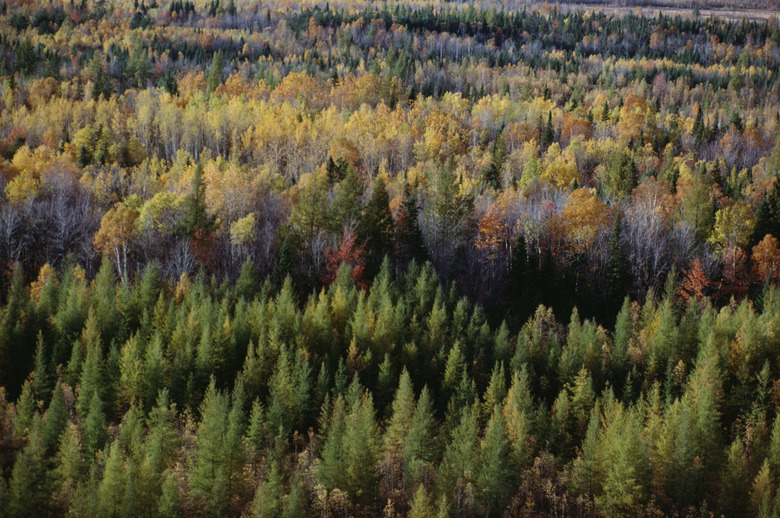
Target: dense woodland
(409,259)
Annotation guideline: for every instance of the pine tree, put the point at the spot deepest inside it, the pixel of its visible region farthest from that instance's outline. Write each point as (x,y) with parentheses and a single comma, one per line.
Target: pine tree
(498,156)
(461,461)
(91,380)
(421,506)
(376,228)
(218,456)
(295,502)
(402,415)
(348,200)
(495,393)
(56,419)
(26,410)
(94,425)
(29,487)
(268,498)
(419,445)
(69,464)
(733,498)
(617,266)
(214,76)
(409,238)
(350,448)
(195,216)
(161,441)
(518,409)
(495,475)
(170,500)
(111,490)
(547,134)
(43,382)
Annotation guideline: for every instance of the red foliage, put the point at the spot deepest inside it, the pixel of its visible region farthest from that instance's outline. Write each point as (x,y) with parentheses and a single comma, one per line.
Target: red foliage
(346,252)
(736,277)
(202,245)
(695,283)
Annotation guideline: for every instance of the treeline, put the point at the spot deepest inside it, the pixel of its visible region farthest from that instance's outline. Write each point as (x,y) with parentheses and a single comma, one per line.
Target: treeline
(202,398)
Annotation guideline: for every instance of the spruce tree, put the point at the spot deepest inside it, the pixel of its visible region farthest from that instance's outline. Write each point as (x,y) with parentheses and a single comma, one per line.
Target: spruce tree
(56,419)
(376,228)
(94,425)
(495,475)
(26,409)
(269,495)
(111,490)
(29,489)
(617,266)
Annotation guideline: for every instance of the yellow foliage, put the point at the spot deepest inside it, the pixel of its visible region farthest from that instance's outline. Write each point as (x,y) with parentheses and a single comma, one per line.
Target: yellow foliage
(583,217)
(21,188)
(558,170)
(243,231)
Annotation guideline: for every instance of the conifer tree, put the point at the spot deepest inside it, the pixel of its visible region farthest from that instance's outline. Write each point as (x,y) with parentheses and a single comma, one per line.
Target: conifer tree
(55,420)
(26,410)
(69,465)
(376,228)
(111,490)
(617,265)
(209,475)
(460,462)
(421,506)
(94,425)
(268,498)
(495,475)
(29,487)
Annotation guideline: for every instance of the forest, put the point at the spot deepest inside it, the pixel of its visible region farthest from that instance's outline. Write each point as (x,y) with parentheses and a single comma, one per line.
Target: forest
(415,258)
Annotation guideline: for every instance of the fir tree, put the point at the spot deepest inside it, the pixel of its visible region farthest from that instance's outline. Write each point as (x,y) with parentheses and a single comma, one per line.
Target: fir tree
(56,419)
(29,487)
(376,228)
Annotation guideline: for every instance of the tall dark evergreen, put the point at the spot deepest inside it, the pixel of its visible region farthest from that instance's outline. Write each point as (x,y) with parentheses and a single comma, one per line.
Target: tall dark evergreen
(376,228)
(617,273)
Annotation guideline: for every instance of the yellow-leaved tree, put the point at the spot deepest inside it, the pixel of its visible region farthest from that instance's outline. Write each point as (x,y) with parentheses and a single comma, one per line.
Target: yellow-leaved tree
(116,234)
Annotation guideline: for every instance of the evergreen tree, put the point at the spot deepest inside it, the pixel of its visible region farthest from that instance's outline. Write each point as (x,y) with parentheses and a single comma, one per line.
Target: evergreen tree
(547,135)
(348,200)
(170,500)
(94,425)
(376,228)
(69,464)
(461,461)
(214,76)
(495,475)
(409,238)
(268,498)
(111,490)
(25,411)
(402,416)
(195,216)
(617,266)
(29,488)
(421,506)
(43,381)
(56,419)
(498,156)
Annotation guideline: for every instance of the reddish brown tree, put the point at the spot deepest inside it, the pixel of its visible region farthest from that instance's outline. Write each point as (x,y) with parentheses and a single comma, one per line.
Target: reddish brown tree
(695,282)
(350,253)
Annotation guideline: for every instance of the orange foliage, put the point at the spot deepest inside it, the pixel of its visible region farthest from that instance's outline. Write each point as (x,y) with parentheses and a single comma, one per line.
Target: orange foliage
(766,260)
(347,252)
(573,127)
(695,282)
(583,217)
(493,233)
